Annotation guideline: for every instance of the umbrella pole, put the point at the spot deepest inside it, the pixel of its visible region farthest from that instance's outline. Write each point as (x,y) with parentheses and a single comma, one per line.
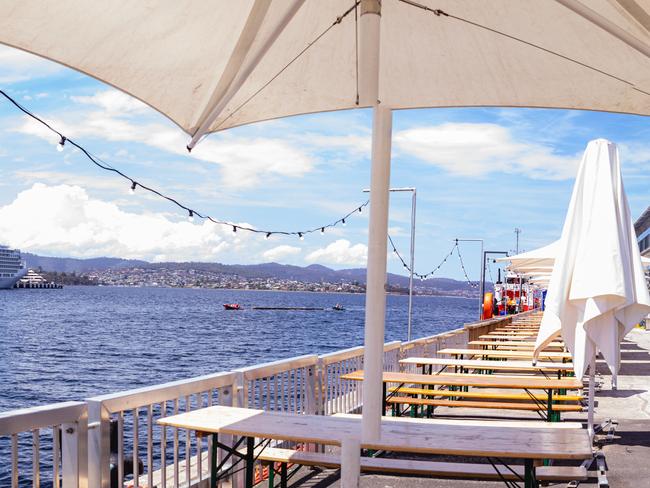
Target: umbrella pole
(376,274)
(592,390)
(382,127)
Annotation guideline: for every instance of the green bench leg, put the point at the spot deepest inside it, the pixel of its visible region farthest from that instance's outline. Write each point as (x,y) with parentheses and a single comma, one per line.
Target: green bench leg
(272,475)
(213,462)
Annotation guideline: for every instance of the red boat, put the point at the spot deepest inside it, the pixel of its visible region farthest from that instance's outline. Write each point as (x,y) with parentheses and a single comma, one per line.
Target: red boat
(232,306)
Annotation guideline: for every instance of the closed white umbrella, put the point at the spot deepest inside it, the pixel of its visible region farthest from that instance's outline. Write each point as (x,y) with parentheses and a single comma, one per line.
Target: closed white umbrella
(597,291)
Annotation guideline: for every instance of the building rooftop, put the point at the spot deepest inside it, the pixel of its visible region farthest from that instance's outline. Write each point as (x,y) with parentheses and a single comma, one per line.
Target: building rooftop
(643,222)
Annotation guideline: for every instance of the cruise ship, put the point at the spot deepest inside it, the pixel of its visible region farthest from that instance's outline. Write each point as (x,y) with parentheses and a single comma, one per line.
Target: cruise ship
(12,267)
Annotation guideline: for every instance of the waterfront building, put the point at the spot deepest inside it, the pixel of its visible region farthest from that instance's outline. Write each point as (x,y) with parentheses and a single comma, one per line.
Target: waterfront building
(642,229)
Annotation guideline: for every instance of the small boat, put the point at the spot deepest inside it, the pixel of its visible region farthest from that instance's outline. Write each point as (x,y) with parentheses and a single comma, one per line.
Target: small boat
(338,307)
(232,306)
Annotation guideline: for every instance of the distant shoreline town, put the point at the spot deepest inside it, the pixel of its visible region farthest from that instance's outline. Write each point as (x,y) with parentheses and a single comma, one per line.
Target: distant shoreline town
(268,276)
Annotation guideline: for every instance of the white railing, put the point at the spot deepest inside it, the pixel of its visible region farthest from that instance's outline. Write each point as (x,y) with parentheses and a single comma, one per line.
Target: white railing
(125,446)
(56,435)
(135,414)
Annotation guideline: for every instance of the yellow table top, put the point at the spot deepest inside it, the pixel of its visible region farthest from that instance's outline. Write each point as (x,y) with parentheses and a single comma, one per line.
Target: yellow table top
(491,439)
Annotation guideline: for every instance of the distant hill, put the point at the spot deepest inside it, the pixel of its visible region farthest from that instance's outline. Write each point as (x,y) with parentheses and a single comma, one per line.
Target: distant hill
(314,273)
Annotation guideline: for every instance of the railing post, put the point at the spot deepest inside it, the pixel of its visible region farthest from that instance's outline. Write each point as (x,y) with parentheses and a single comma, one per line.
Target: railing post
(98,445)
(239,399)
(310,404)
(318,387)
(74,448)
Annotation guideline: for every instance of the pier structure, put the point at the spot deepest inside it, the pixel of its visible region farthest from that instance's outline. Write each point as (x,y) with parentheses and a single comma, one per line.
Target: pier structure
(34,280)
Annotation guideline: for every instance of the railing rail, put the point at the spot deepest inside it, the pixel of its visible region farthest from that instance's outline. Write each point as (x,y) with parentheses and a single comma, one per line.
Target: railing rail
(97,434)
(63,429)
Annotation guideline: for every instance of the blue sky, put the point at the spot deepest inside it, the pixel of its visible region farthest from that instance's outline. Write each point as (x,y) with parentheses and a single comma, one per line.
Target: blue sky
(478,172)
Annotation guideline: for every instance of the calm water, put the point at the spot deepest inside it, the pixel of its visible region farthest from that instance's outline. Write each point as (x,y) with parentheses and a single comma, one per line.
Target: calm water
(69,344)
(58,345)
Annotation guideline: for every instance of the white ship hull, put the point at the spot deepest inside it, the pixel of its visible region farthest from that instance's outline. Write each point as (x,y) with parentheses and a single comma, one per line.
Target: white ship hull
(6,283)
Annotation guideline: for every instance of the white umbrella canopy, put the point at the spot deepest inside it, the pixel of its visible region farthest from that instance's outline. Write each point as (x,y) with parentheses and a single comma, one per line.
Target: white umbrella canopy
(215,64)
(540,261)
(597,291)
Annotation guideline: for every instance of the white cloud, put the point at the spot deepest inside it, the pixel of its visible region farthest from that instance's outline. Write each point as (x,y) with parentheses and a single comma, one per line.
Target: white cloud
(340,252)
(280,252)
(477,149)
(243,162)
(64,220)
(17,65)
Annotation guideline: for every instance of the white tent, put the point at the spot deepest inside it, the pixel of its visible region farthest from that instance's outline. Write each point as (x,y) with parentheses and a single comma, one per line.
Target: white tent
(597,290)
(540,261)
(215,64)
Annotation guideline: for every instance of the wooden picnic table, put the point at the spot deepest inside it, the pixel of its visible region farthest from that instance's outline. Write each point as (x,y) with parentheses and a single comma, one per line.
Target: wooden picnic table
(504,353)
(515,333)
(464,381)
(520,344)
(490,440)
(464,365)
(507,337)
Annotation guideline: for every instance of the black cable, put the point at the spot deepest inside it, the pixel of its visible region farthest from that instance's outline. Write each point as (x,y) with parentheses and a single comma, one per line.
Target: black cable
(336,22)
(442,13)
(408,268)
(191,212)
(462,265)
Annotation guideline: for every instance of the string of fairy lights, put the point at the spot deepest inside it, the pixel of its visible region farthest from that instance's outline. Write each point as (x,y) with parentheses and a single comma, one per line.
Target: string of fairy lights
(134,184)
(192,213)
(430,274)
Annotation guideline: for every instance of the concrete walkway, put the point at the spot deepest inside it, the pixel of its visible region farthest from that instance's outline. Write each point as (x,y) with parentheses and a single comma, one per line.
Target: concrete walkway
(627,451)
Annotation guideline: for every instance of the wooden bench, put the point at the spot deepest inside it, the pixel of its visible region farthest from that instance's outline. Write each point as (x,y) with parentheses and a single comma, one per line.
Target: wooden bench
(437,469)
(486,395)
(526,406)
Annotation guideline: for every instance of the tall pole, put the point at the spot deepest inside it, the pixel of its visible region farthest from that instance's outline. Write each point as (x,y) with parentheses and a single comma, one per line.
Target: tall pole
(517,231)
(413,198)
(375,313)
(481,289)
(412,254)
(485,254)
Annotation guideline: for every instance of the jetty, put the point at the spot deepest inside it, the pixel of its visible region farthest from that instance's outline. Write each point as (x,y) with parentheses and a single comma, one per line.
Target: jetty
(288,308)
(33,280)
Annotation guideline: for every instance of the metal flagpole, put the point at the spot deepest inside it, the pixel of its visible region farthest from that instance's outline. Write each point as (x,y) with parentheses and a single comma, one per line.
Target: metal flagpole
(412,255)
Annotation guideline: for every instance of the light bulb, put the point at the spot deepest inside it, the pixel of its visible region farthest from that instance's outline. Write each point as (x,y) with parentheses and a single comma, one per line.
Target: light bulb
(132,189)
(59,146)
(343,222)
(267,236)
(322,231)
(234,228)
(190,216)
(302,237)
(359,209)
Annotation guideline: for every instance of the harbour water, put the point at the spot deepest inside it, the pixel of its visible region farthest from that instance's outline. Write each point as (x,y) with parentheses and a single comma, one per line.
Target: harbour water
(69,344)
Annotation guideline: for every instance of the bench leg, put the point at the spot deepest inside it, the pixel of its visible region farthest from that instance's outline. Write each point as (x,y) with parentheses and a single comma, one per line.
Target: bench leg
(272,475)
(250,461)
(283,475)
(529,475)
(213,461)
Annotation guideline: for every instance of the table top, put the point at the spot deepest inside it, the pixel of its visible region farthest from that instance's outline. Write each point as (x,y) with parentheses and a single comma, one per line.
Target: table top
(499,353)
(491,439)
(500,365)
(475,380)
(523,338)
(530,344)
(524,333)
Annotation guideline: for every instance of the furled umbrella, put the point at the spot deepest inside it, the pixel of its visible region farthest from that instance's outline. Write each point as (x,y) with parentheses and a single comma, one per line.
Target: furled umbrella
(597,290)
